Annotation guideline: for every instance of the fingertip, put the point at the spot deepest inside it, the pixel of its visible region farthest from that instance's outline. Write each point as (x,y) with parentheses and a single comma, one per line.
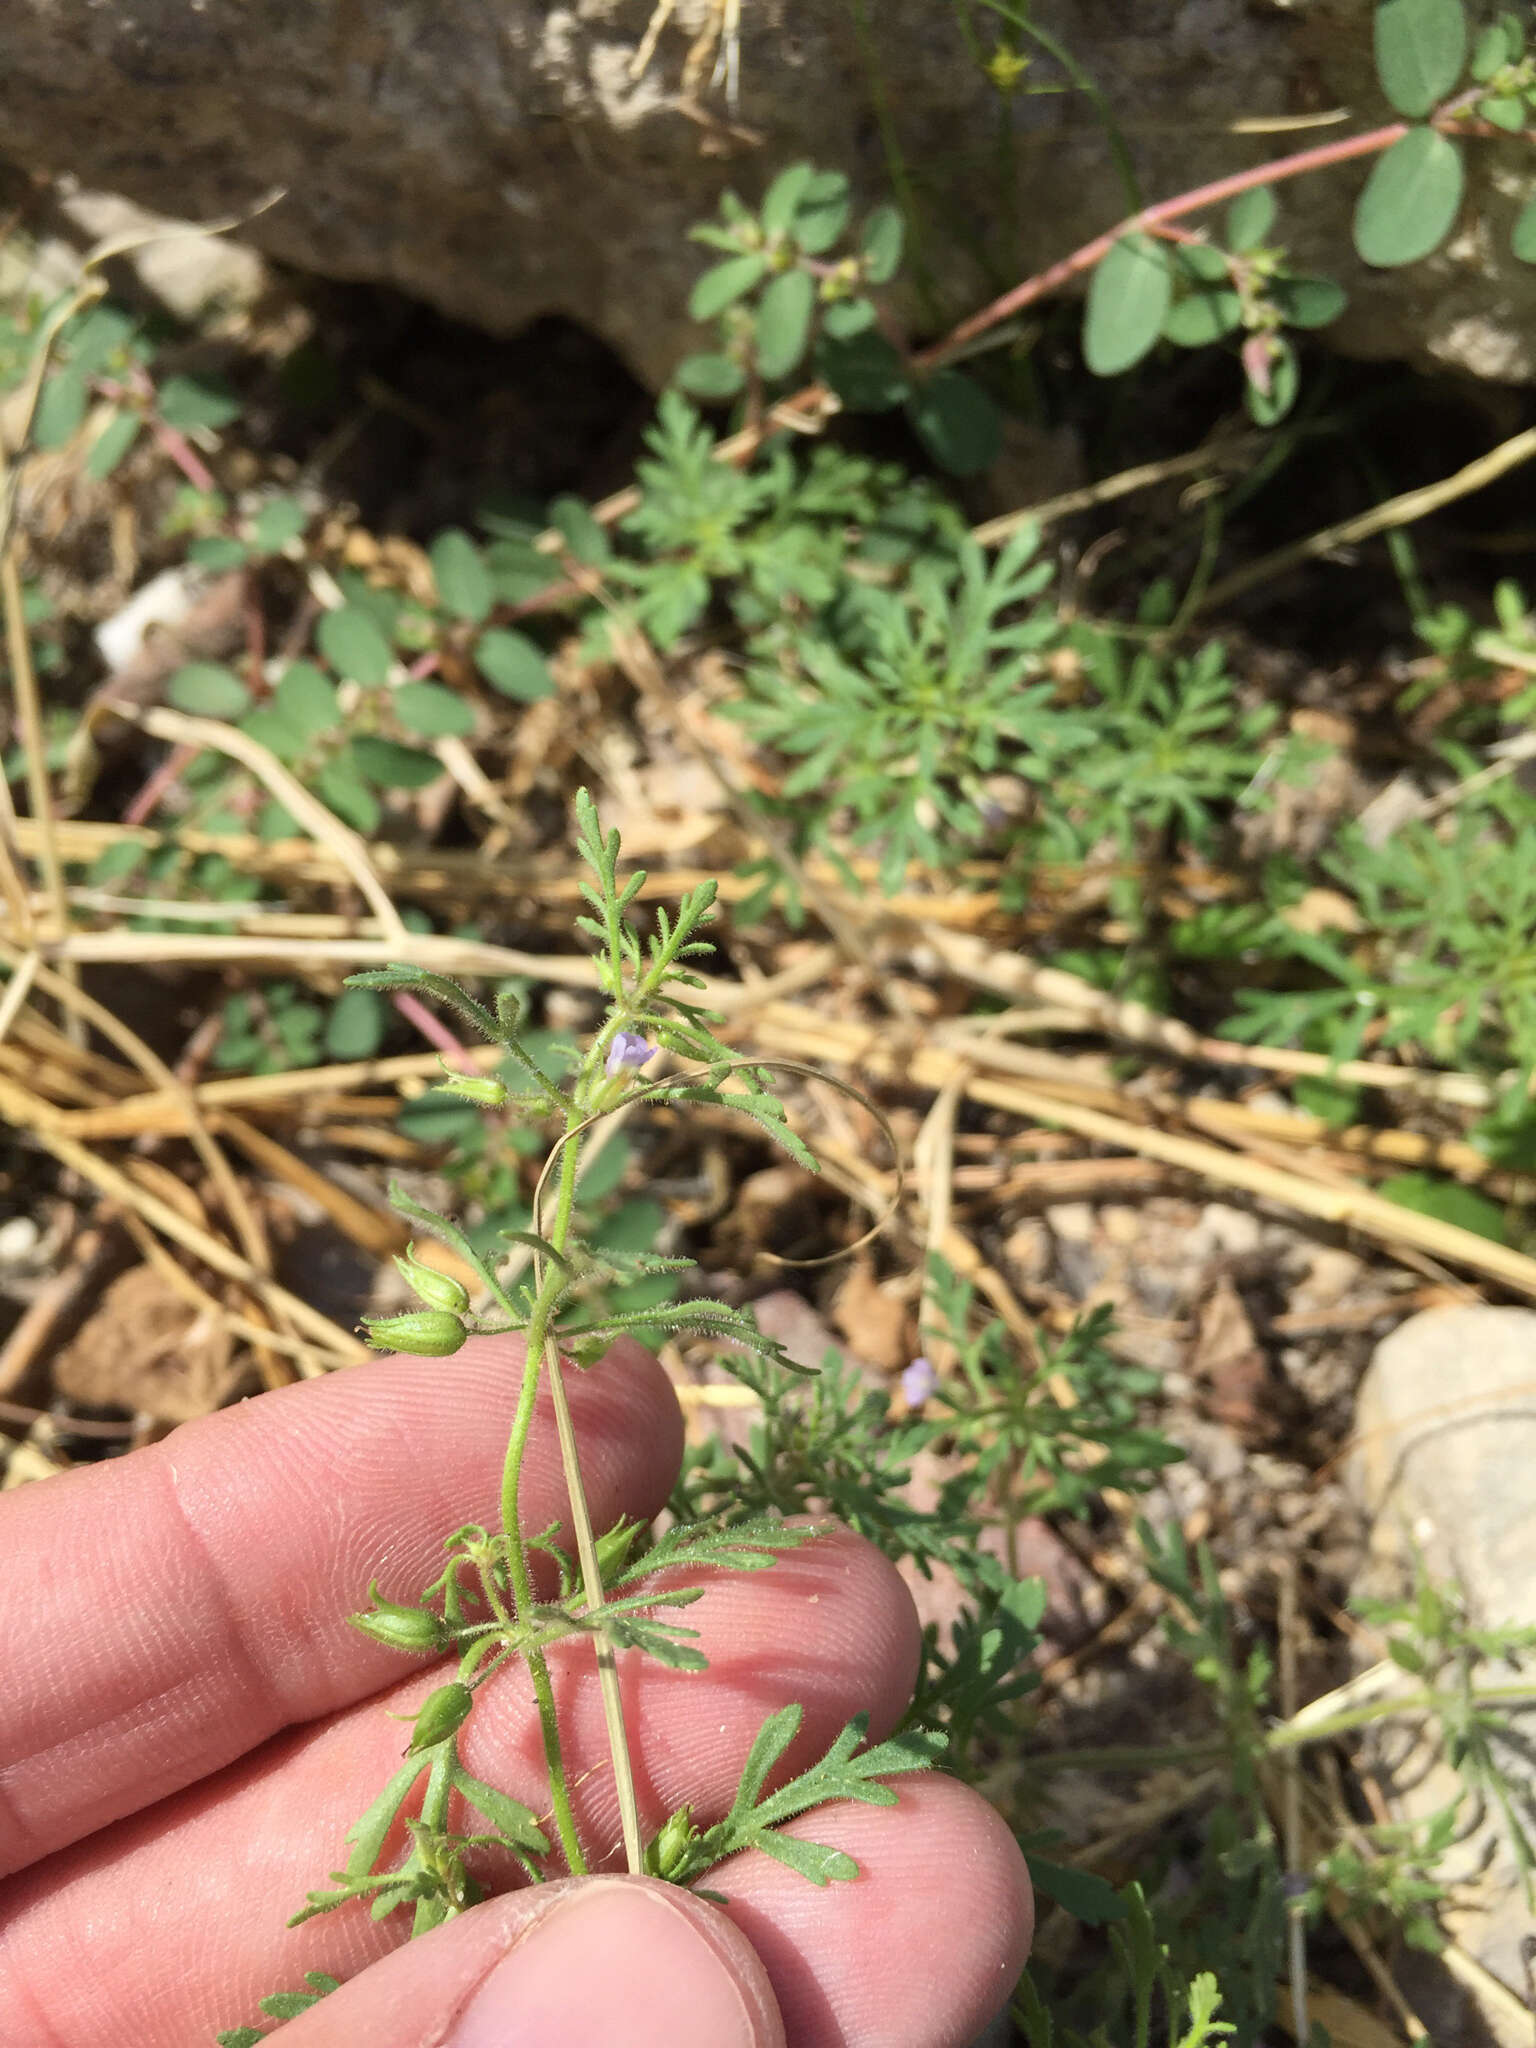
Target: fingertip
(564,1966)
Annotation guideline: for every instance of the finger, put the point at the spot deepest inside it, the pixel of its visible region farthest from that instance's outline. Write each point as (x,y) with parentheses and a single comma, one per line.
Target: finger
(830,1625)
(587,1960)
(920,1950)
(197,1592)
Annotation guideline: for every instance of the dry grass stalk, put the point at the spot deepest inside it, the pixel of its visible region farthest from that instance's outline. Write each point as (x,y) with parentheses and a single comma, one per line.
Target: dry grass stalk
(20,1107)
(349,849)
(782,1027)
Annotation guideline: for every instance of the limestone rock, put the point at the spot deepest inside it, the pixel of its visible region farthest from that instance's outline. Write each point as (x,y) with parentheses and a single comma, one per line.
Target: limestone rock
(505,161)
(1446,1431)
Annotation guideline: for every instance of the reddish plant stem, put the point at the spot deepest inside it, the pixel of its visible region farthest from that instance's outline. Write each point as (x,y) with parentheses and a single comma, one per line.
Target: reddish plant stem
(159,783)
(1151,218)
(432,1029)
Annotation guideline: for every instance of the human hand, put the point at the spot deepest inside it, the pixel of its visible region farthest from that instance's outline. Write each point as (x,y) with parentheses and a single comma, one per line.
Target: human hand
(188,1725)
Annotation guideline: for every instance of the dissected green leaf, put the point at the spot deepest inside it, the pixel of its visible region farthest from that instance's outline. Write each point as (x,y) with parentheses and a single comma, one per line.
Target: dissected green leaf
(1128,302)
(1420,48)
(1411,199)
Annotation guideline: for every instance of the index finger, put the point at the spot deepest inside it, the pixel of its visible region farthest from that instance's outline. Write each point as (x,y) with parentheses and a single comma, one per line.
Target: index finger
(183,1604)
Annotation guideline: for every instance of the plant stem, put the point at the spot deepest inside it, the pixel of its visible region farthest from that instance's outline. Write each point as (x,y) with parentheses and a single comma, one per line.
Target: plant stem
(522,1578)
(586,1547)
(1044,282)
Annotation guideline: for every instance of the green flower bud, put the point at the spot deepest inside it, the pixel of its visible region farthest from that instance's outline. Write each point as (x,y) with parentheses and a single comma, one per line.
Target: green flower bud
(399,1628)
(425,1333)
(669,1848)
(482,1088)
(441,1714)
(437,1290)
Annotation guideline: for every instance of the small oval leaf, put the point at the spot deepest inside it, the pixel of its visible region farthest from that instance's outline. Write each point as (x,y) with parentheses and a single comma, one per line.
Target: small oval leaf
(956,422)
(865,371)
(1410,200)
(1420,48)
(783,196)
(1127,304)
(1308,301)
(881,242)
(388,765)
(784,322)
(724,283)
(112,444)
(433,711)
(1250,218)
(710,377)
(1203,317)
(352,643)
(513,664)
(206,690)
(462,579)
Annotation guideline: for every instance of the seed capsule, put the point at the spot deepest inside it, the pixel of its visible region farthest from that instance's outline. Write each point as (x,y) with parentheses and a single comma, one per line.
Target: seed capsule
(437,1290)
(442,1713)
(424,1332)
(483,1089)
(399,1628)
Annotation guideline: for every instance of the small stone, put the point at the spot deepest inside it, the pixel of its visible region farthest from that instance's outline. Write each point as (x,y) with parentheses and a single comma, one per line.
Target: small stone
(18,1240)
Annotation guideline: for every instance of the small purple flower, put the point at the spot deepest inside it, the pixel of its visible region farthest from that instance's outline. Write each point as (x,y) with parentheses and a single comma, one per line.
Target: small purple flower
(918,1382)
(628,1049)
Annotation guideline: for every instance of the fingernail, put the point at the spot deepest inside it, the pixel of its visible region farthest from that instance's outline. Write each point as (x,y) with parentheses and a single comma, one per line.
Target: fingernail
(613,1961)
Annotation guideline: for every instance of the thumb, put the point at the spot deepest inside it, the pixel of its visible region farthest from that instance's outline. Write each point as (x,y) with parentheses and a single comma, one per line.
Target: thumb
(577,1964)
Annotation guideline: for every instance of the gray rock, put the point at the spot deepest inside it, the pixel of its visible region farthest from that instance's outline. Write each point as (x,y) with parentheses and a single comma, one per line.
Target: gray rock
(1446,1434)
(501,161)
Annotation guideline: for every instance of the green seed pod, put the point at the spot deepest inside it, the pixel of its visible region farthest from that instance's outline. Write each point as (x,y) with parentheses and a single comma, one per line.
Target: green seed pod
(441,1714)
(424,1332)
(669,1848)
(437,1290)
(399,1628)
(484,1089)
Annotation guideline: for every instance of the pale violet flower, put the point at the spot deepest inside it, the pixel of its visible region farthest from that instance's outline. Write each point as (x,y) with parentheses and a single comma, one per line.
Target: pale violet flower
(628,1049)
(918,1382)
